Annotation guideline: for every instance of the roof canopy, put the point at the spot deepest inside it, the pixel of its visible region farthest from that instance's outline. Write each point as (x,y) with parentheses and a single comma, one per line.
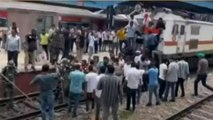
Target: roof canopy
(46,8)
(179,5)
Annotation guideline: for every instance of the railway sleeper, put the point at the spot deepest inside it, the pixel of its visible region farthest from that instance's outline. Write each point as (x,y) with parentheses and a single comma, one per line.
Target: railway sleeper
(203,113)
(31,105)
(2,117)
(196,117)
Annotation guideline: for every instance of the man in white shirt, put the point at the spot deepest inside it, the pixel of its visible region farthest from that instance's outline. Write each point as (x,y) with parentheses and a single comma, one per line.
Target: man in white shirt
(96,41)
(131,35)
(91,45)
(104,39)
(183,74)
(98,93)
(137,57)
(133,80)
(171,79)
(115,44)
(91,84)
(111,36)
(126,68)
(13,46)
(162,77)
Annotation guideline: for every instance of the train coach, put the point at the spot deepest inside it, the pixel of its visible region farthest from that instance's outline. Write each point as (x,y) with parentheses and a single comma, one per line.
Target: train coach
(185,37)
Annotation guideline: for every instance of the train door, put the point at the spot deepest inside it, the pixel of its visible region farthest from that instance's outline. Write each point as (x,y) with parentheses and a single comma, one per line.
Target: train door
(179,36)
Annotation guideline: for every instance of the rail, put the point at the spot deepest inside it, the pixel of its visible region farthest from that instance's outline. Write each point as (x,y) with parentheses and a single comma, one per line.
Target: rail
(185,111)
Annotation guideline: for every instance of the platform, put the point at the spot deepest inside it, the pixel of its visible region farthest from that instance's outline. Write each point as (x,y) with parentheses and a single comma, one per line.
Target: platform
(23,78)
(3,60)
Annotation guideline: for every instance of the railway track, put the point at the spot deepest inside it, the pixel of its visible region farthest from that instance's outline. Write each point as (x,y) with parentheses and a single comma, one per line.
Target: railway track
(25,110)
(201,110)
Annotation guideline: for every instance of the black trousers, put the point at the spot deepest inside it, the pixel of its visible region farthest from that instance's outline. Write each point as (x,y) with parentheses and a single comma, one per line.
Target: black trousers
(87,46)
(100,44)
(54,55)
(13,55)
(131,97)
(45,47)
(145,82)
(67,46)
(203,78)
(180,83)
(162,88)
(96,46)
(90,100)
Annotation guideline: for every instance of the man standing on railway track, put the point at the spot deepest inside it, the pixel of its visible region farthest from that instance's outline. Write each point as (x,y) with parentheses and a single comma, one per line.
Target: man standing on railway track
(183,74)
(98,93)
(9,72)
(111,93)
(133,79)
(202,72)
(171,79)
(153,84)
(76,80)
(90,87)
(47,82)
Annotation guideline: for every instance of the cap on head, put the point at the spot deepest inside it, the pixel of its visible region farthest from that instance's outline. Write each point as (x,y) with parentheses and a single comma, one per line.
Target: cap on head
(201,55)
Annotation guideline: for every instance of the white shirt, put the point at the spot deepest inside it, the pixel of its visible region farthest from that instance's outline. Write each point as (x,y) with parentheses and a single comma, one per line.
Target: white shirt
(172,74)
(133,78)
(104,35)
(130,32)
(98,92)
(162,73)
(126,69)
(99,35)
(91,79)
(95,38)
(137,58)
(113,36)
(13,43)
(141,72)
(121,62)
(51,31)
(91,40)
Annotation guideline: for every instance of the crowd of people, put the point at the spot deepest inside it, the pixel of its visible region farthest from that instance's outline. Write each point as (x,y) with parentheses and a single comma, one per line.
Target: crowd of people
(104,84)
(61,39)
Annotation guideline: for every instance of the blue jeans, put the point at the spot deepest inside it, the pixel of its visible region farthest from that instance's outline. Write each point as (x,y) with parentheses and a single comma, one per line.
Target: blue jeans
(153,89)
(170,85)
(74,102)
(47,105)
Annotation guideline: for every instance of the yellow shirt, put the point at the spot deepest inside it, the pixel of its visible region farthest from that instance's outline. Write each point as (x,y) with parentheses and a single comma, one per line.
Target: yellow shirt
(121,34)
(44,39)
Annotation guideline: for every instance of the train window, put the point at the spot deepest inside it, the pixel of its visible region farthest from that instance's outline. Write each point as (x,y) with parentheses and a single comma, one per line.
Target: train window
(195,30)
(182,30)
(175,29)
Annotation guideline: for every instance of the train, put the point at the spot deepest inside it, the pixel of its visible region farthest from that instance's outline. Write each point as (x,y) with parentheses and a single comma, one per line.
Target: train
(181,37)
(186,37)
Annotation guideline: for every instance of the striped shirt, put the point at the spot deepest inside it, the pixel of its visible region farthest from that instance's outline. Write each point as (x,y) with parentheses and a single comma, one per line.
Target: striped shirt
(111,90)
(203,66)
(183,71)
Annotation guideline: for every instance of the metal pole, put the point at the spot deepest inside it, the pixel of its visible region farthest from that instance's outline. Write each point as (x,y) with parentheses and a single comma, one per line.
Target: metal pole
(28,98)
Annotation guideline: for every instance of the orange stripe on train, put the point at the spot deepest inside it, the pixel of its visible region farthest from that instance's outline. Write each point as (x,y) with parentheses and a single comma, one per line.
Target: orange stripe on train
(174,43)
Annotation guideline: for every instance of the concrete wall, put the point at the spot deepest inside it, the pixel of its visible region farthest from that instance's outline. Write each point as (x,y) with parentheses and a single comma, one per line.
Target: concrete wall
(27,20)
